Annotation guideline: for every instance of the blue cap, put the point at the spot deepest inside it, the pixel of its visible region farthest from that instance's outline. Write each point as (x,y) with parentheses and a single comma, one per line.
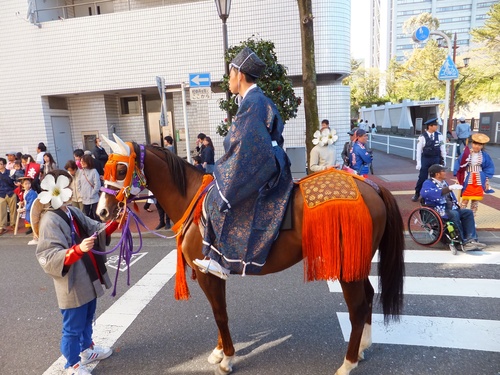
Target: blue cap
(431,121)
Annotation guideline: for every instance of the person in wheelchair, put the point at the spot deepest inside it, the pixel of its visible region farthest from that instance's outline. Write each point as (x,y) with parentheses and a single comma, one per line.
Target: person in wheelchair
(438,194)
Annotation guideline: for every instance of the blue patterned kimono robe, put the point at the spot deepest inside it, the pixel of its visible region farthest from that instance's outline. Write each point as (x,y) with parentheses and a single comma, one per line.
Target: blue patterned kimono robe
(252,186)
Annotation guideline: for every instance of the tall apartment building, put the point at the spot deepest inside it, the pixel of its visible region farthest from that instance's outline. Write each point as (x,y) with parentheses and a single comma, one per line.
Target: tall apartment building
(74,69)
(455,16)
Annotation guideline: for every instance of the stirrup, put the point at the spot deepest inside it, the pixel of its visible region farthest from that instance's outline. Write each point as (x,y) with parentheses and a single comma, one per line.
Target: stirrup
(210,265)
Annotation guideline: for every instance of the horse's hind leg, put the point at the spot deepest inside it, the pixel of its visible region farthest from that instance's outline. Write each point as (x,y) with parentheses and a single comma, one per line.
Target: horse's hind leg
(359,309)
(366,337)
(215,291)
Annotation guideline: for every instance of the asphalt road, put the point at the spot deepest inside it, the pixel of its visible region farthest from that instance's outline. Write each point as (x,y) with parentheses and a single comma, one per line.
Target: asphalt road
(280,325)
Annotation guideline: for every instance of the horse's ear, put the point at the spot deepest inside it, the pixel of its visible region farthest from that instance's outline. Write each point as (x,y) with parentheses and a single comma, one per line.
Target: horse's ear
(120,149)
(125,150)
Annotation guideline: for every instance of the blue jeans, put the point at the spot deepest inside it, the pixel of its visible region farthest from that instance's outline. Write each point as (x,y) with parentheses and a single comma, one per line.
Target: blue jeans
(464,219)
(77,331)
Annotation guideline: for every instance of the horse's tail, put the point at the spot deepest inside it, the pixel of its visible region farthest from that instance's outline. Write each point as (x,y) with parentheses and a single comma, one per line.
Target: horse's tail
(391,267)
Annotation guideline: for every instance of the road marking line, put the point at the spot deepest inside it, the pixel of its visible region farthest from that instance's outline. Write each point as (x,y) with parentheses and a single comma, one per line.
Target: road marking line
(470,334)
(120,315)
(439,256)
(440,286)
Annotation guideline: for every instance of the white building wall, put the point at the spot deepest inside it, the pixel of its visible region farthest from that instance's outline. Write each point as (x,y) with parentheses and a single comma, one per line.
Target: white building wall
(93,60)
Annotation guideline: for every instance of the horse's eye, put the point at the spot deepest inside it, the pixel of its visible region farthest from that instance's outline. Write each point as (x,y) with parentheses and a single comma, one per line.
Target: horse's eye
(122,173)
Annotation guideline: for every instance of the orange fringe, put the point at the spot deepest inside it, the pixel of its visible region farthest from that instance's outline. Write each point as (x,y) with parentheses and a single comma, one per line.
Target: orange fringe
(181,290)
(337,240)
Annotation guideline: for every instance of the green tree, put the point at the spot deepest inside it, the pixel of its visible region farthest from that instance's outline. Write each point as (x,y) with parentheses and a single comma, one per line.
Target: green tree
(417,77)
(480,81)
(365,87)
(489,33)
(274,82)
(422,19)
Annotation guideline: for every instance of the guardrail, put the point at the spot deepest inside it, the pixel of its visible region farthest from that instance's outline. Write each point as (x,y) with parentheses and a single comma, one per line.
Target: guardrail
(405,146)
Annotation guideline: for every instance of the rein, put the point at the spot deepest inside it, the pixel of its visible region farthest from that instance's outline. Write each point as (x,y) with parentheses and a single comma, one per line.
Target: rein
(133,184)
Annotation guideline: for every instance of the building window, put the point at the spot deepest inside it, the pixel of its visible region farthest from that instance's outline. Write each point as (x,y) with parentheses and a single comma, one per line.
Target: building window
(129,105)
(486,5)
(455,19)
(455,7)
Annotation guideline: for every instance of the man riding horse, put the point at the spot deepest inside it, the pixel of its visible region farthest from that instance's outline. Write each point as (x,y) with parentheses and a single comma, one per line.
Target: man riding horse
(252,180)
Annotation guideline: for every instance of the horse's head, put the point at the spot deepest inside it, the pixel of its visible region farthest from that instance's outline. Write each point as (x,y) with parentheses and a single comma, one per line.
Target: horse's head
(122,178)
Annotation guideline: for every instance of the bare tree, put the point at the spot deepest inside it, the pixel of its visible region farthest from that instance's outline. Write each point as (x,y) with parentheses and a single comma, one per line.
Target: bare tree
(308,72)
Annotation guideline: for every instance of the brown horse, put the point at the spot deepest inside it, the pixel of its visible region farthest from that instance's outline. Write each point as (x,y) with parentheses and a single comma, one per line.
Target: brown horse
(175,183)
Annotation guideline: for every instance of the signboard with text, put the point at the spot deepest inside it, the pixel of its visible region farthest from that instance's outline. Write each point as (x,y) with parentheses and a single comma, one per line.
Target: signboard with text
(200,93)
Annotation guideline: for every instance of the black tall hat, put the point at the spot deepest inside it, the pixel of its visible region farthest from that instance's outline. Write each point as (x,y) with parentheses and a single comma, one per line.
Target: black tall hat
(248,62)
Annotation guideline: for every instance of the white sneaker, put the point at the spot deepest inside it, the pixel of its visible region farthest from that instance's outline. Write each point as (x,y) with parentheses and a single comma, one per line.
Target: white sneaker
(95,353)
(470,246)
(78,369)
(480,245)
(210,265)
(33,242)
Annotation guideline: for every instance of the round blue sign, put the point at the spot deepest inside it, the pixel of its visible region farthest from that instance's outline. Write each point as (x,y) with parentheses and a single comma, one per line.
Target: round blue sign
(421,34)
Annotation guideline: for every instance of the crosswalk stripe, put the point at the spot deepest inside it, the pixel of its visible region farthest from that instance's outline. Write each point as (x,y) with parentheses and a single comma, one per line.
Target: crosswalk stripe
(440,286)
(440,256)
(119,316)
(470,334)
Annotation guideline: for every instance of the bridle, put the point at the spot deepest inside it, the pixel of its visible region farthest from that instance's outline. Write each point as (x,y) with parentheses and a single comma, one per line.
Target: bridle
(135,180)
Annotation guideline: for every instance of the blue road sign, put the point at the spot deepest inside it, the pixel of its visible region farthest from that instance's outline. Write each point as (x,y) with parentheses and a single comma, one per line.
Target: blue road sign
(448,70)
(421,34)
(199,80)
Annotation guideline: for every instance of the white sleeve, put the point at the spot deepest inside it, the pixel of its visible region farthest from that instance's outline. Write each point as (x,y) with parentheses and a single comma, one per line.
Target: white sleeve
(420,146)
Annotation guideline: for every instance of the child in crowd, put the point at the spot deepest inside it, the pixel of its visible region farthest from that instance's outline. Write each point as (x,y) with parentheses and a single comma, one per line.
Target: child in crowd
(29,196)
(78,155)
(16,174)
(197,163)
(76,198)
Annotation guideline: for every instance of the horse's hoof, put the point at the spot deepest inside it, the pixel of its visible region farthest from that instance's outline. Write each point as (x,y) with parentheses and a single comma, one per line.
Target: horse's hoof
(361,356)
(226,365)
(346,367)
(216,356)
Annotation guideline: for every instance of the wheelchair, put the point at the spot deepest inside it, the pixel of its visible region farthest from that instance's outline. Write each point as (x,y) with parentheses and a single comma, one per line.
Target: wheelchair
(426,227)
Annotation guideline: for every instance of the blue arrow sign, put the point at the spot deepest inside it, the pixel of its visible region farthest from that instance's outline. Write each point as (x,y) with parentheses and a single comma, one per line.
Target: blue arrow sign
(421,34)
(199,80)
(448,70)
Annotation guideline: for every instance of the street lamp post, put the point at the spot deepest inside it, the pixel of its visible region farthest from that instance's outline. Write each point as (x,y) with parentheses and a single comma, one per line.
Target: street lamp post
(452,91)
(223,9)
(452,99)
(448,84)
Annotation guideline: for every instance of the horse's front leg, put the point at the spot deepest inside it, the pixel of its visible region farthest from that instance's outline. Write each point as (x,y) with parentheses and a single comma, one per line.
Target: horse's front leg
(355,297)
(215,290)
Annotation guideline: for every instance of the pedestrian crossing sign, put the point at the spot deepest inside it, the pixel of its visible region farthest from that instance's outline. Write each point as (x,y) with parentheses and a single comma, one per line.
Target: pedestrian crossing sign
(448,70)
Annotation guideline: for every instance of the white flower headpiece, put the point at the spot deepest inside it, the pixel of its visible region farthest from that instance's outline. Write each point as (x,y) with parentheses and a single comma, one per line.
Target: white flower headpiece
(56,193)
(325,137)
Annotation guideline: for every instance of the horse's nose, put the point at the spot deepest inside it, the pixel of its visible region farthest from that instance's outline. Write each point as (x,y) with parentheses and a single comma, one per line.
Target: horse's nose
(103,213)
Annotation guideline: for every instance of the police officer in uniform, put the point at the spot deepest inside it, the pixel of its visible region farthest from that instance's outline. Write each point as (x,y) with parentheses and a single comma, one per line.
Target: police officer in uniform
(430,150)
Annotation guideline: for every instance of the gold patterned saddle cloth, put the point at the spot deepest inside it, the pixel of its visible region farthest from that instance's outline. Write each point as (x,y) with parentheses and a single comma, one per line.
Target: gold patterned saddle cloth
(328,185)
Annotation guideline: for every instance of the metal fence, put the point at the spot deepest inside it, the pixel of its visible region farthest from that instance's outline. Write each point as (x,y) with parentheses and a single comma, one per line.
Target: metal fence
(405,146)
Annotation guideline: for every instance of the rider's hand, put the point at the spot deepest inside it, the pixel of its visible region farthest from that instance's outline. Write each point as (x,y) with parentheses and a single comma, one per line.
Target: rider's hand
(87,244)
(455,187)
(418,167)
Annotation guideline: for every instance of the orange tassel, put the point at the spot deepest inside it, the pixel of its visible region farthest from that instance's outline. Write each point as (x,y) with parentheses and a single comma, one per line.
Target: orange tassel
(344,250)
(181,291)
(181,288)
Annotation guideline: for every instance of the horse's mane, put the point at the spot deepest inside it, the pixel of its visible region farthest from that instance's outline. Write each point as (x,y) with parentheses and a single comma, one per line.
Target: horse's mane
(176,165)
